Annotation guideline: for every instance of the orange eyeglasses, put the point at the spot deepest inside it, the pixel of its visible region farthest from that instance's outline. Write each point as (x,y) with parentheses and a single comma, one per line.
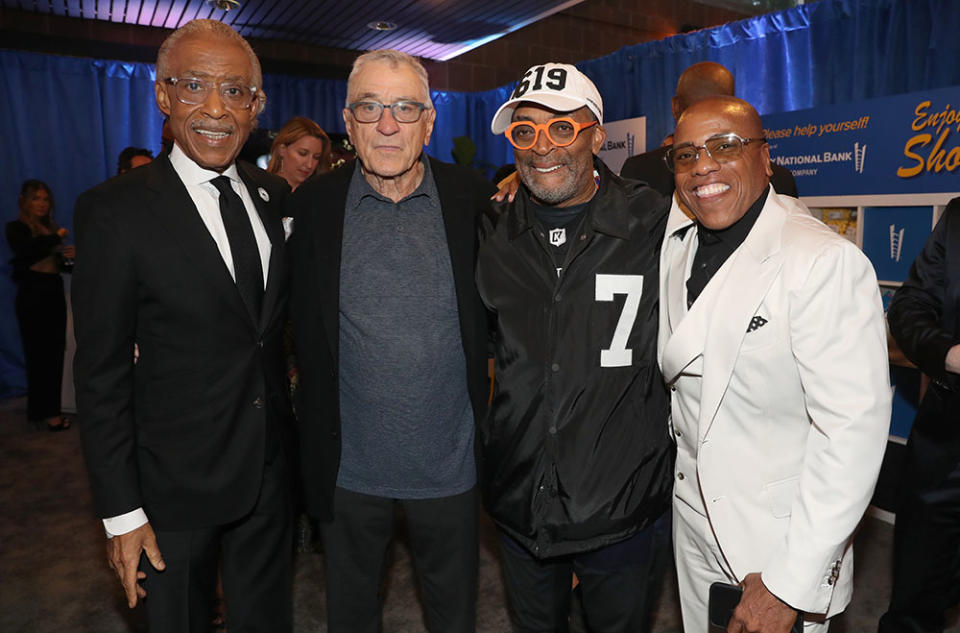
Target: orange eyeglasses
(561,131)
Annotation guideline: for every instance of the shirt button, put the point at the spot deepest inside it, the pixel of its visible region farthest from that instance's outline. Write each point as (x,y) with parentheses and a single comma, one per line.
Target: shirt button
(258,403)
(553,430)
(680,476)
(678,433)
(673,388)
(557,298)
(555,367)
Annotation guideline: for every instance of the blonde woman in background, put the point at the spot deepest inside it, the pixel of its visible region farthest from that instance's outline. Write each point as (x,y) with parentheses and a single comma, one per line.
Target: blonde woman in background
(38,258)
(300,150)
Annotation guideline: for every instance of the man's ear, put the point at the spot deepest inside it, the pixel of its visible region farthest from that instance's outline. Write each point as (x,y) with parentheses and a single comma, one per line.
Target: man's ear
(599,136)
(675,108)
(431,115)
(163,97)
(765,153)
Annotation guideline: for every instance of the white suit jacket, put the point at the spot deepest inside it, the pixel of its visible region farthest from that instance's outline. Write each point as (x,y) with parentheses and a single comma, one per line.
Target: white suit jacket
(793,414)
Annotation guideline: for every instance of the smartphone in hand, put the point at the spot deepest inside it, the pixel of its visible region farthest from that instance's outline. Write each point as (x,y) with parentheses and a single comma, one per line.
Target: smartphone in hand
(724,598)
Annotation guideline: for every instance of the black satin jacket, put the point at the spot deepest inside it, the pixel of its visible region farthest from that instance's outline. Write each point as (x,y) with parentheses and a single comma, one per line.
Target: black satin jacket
(575,452)
(924,318)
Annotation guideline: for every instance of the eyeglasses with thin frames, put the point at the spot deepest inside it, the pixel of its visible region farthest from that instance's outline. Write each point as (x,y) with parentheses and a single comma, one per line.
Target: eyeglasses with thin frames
(372,111)
(194,91)
(561,131)
(722,148)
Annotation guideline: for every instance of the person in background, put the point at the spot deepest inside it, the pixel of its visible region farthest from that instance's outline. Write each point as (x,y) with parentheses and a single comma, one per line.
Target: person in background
(133,157)
(391,337)
(300,150)
(924,319)
(38,258)
(773,344)
(698,82)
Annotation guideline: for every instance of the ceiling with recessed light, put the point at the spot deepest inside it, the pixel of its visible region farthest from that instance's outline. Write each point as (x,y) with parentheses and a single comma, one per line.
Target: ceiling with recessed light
(434,29)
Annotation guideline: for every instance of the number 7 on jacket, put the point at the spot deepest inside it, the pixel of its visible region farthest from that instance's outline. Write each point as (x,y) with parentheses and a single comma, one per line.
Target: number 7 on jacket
(617,355)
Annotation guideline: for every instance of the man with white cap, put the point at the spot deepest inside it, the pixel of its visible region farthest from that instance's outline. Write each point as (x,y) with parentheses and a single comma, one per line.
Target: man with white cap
(576,464)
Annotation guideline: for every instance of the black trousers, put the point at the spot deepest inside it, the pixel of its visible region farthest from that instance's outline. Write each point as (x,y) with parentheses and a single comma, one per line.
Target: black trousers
(443,546)
(926,557)
(618,584)
(42,314)
(254,555)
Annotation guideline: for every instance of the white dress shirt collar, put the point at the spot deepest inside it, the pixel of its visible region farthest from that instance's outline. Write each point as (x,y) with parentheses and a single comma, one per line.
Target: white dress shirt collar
(193,174)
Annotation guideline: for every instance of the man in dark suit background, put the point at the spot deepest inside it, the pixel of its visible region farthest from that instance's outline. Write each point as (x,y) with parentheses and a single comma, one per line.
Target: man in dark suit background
(391,340)
(185,259)
(700,81)
(924,319)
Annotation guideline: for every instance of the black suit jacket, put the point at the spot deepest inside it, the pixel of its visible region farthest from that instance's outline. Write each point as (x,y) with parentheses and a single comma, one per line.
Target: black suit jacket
(318,207)
(183,432)
(651,169)
(924,318)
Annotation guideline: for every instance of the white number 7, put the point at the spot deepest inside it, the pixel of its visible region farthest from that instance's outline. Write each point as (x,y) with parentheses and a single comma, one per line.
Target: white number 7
(617,355)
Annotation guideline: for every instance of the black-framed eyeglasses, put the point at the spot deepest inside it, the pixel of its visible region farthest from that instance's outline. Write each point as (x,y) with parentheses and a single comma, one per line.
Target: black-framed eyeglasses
(722,148)
(561,131)
(194,91)
(372,111)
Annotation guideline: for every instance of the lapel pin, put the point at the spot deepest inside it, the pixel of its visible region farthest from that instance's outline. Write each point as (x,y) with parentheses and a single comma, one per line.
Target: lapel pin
(263,194)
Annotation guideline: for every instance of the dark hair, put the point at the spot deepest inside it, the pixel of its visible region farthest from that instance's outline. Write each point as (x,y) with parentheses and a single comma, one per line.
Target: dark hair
(28,188)
(125,160)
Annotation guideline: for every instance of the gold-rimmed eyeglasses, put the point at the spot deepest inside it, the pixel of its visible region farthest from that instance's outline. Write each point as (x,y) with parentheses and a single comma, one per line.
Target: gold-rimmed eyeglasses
(561,131)
(722,148)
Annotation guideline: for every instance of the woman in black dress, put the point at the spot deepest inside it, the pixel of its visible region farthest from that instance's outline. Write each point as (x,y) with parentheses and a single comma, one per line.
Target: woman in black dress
(38,258)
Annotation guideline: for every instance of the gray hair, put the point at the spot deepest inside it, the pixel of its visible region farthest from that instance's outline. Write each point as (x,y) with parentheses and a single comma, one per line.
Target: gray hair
(394,58)
(218,29)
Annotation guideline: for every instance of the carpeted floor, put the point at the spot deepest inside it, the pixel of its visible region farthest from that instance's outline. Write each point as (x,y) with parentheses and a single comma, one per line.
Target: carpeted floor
(53,575)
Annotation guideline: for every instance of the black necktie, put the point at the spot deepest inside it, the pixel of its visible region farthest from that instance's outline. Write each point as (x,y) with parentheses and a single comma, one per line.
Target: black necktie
(247,269)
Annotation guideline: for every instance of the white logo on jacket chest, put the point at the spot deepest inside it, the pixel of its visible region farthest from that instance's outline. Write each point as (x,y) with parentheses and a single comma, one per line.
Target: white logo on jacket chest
(558,237)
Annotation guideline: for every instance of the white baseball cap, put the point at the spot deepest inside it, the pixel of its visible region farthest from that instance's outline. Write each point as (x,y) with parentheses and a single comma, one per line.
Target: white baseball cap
(560,87)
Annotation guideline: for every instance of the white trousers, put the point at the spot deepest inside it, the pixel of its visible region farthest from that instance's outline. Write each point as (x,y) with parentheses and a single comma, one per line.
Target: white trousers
(700,563)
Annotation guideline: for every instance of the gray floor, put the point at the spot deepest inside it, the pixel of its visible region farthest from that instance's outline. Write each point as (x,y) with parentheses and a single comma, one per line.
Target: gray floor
(53,576)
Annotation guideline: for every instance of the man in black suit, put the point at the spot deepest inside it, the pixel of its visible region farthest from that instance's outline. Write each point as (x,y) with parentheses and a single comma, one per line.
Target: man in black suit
(700,81)
(185,259)
(924,318)
(391,340)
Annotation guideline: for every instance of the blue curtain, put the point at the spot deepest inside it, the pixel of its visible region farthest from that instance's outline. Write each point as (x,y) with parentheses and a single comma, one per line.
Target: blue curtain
(64,120)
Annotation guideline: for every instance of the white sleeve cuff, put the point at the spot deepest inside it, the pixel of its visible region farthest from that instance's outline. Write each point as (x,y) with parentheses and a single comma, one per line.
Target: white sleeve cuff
(115,526)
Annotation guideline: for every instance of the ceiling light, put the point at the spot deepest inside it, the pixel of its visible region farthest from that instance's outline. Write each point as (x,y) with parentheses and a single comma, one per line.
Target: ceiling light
(225,5)
(381,25)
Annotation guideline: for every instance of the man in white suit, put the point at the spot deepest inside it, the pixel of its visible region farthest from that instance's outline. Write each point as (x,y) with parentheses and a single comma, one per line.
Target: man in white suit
(772,341)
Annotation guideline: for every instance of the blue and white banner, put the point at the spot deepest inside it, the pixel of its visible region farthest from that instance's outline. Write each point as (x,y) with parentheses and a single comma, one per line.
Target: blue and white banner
(893,237)
(904,144)
(625,138)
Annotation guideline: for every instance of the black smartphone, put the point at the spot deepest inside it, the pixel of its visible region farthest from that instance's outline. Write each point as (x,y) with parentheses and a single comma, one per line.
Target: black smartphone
(724,598)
